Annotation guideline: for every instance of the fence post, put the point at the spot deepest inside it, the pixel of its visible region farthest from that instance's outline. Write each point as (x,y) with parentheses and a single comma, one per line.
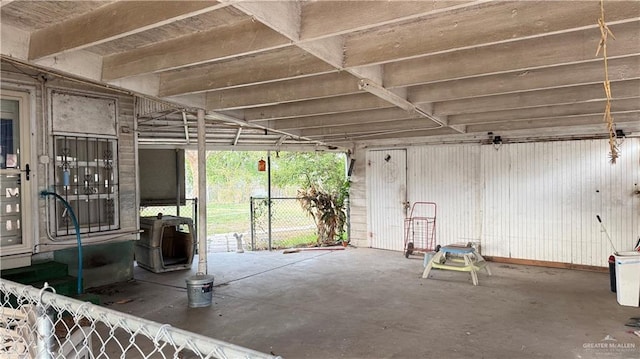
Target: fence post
(269,194)
(44,329)
(252,220)
(194,217)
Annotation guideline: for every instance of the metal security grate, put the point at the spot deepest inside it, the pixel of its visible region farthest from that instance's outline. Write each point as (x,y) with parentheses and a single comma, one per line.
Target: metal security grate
(86,176)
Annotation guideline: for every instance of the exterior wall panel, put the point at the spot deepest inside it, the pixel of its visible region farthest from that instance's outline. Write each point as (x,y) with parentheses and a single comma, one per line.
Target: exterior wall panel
(555,190)
(496,218)
(449,176)
(535,201)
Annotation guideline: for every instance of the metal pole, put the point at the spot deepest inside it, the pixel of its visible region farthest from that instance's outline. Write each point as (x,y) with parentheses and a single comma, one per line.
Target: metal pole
(253,224)
(44,332)
(202,190)
(269,192)
(178,169)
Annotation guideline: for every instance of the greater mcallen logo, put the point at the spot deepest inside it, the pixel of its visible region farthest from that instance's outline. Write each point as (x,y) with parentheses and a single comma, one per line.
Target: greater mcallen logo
(610,343)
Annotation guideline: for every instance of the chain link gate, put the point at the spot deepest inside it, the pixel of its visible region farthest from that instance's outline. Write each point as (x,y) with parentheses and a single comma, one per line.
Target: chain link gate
(291,225)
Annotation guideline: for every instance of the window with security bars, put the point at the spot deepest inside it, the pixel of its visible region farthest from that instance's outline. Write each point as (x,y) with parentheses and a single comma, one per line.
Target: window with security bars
(86,176)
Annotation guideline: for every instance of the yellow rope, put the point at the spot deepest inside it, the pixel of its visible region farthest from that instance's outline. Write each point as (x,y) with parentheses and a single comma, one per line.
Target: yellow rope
(604,32)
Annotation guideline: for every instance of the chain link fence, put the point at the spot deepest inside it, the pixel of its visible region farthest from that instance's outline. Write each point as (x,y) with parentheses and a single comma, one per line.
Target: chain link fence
(36,323)
(291,225)
(189,210)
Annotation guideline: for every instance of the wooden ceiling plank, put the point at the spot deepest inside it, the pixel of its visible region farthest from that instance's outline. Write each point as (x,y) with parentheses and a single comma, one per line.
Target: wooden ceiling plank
(334,84)
(329,105)
(576,121)
(329,18)
(282,16)
(516,81)
(343,119)
(567,110)
(112,21)
(492,23)
(245,38)
(393,136)
(564,95)
(553,50)
(392,124)
(286,63)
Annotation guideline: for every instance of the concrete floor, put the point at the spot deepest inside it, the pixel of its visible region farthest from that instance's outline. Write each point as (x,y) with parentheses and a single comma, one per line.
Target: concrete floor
(365,303)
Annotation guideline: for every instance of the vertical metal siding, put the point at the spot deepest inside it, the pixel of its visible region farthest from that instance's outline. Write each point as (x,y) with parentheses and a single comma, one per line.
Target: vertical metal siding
(496,216)
(449,176)
(387,179)
(534,201)
(555,190)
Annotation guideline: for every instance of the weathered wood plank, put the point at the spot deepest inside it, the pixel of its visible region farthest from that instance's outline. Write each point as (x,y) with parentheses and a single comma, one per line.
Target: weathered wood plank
(342,119)
(563,95)
(334,84)
(552,50)
(111,21)
(289,62)
(331,105)
(584,73)
(326,18)
(240,39)
(558,112)
(489,23)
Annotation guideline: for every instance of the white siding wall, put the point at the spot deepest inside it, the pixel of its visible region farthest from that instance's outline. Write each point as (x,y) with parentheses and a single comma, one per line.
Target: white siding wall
(555,190)
(532,200)
(448,176)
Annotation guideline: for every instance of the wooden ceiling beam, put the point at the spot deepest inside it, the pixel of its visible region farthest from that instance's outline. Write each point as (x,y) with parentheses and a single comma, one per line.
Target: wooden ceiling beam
(558,111)
(334,84)
(289,62)
(329,105)
(391,125)
(491,23)
(576,121)
(553,50)
(110,22)
(340,138)
(516,81)
(558,96)
(240,39)
(282,16)
(330,18)
(359,118)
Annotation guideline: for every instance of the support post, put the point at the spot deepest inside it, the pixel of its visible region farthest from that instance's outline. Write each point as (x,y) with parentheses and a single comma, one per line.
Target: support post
(269,193)
(202,191)
(44,331)
(178,169)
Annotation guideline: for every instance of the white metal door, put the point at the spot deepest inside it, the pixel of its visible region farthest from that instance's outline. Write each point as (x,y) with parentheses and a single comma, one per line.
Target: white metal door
(15,173)
(387,195)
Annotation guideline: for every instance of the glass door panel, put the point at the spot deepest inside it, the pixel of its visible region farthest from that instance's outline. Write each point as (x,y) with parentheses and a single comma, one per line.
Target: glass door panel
(11,192)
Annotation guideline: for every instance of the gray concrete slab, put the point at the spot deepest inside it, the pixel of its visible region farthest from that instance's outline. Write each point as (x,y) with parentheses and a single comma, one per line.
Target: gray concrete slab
(365,303)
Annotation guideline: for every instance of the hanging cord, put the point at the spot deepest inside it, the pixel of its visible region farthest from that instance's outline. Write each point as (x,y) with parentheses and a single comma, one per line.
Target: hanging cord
(611,127)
